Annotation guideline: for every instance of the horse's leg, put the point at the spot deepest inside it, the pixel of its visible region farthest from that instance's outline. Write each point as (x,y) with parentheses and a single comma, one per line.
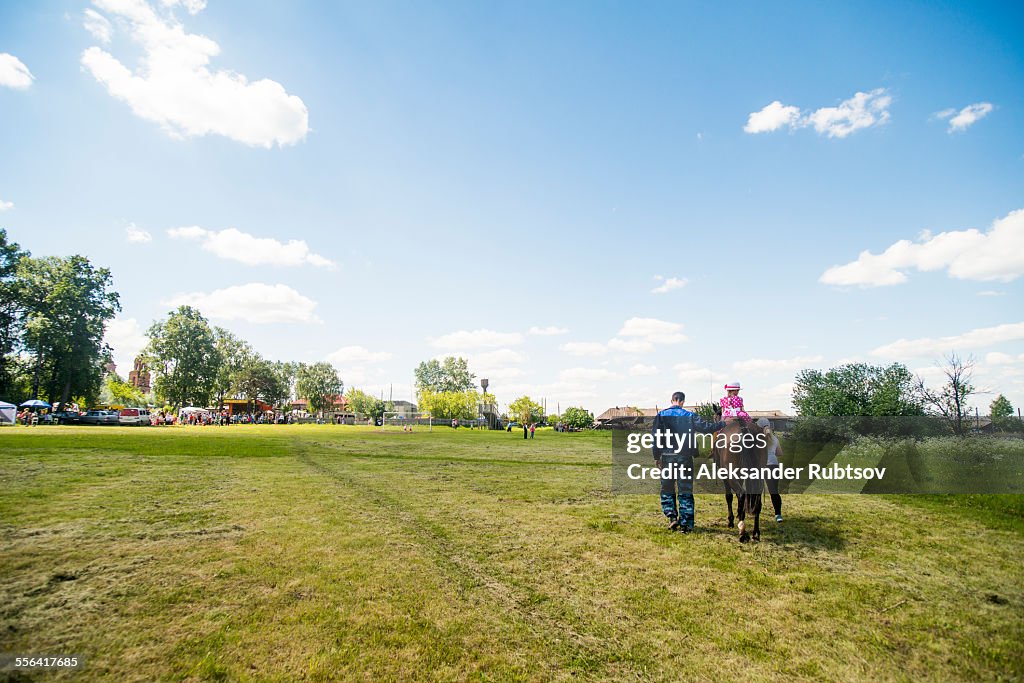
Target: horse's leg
(741,512)
(757,502)
(728,502)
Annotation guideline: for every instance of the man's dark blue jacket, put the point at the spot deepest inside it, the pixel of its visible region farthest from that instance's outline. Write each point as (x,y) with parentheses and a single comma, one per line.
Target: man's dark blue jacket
(680,421)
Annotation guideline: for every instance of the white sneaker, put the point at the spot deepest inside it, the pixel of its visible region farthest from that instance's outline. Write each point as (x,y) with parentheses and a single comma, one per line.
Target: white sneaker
(778,518)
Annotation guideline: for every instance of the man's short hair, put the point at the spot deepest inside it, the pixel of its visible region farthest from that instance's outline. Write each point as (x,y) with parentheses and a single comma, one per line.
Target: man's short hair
(678,397)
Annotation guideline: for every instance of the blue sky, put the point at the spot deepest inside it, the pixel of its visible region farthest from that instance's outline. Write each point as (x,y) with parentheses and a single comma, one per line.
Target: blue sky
(461,173)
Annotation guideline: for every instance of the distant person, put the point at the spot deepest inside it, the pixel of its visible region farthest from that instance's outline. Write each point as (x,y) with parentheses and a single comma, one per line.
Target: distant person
(508,428)
(533,428)
(526,431)
(677,490)
(774,451)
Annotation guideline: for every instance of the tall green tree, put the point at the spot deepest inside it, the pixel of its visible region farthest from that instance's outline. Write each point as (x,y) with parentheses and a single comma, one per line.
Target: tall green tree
(319,384)
(233,354)
(363,404)
(857,389)
(526,410)
(11,315)
(183,355)
(450,405)
(578,418)
(67,304)
(1001,411)
(262,380)
(287,372)
(117,391)
(450,375)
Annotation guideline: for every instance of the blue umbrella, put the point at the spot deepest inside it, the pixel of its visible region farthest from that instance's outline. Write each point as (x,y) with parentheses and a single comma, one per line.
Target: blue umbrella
(34,403)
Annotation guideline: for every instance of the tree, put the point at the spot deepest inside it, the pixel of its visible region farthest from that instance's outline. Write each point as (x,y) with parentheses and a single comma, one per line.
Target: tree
(233,353)
(67,304)
(707,412)
(526,410)
(1001,411)
(450,405)
(283,389)
(578,418)
(117,391)
(363,404)
(261,380)
(450,375)
(856,389)
(183,354)
(11,315)
(319,384)
(950,401)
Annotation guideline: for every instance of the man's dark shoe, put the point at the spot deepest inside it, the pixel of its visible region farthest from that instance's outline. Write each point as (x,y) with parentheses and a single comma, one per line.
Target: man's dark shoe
(673,524)
(685,529)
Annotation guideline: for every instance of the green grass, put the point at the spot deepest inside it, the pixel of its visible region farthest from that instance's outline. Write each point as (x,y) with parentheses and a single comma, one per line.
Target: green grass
(325,553)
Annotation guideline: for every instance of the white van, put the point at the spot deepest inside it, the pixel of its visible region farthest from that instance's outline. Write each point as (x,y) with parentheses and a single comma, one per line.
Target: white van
(138,417)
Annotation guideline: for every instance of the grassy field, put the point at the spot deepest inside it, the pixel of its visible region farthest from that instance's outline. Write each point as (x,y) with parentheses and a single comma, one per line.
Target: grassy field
(325,553)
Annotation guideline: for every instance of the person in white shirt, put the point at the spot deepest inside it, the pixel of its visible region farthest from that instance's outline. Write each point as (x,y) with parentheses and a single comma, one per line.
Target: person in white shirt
(774,451)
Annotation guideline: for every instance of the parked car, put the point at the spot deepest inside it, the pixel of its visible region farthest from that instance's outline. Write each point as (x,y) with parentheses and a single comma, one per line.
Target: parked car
(134,416)
(100,417)
(65,417)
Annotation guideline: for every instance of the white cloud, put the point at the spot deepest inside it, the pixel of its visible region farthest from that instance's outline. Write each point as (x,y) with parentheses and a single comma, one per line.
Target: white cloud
(547,331)
(1000,358)
(13,73)
(240,246)
(255,302)
(653,330)
(584,348)
(630,345)
(497,364)
(641,370)
(4,206)
(638,335)
(137,235)
(772,117)
(585,375)
(960,121)
(863,110)
(192,232)
(991,292)
(98,25)
(348,355)
(776,397)
(175,88)
(476,339)
(763,366)
(191,6)
(668,284)
(491,360)
(931,346)
(127,338)
(691,372)
(965,254)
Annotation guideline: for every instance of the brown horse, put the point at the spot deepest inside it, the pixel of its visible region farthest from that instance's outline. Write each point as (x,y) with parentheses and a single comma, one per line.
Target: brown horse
(748,491)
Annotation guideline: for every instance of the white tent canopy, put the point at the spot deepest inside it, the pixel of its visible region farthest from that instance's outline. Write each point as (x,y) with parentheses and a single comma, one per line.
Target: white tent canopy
(7,413)
(192,409)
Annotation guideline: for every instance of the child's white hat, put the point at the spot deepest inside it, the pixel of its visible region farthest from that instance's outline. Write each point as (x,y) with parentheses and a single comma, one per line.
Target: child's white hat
(732,385)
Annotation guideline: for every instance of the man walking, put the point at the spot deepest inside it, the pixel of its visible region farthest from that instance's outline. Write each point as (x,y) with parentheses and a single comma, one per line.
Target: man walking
(675,430)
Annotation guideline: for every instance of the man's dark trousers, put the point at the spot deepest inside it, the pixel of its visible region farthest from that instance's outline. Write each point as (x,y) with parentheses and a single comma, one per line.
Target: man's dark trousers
(677,492)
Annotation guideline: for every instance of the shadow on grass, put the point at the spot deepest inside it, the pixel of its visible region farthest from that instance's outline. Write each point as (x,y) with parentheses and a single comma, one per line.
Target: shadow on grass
(816,532)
